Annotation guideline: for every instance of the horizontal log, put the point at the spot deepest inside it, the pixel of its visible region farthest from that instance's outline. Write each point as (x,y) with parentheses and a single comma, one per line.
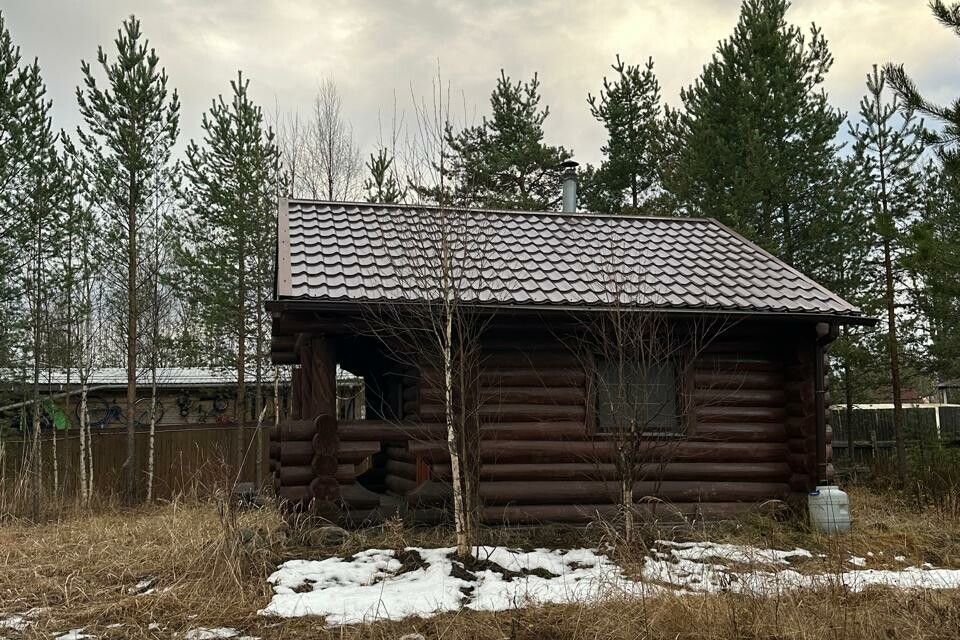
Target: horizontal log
(727,363)
(740,432)
(517,395)
(369,430)
(294,495)
(400,486)
(401,469)
(599,492)
(576,492)
(736,471)
(346,473)
(520,430)
(740,414)
(602,450)
(354,452)
(737,380)
(295,453)
(400,453)
(355,496)
(801,482)
(296,474)
(739,397)
(558,377)
(512,412)
(297,430)
(583,513)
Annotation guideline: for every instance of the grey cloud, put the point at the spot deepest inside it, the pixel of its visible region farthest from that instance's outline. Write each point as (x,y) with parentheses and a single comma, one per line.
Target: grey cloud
(378,50)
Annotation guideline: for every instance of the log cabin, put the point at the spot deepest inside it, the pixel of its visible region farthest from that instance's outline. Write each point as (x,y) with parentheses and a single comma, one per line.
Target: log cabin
(741,413)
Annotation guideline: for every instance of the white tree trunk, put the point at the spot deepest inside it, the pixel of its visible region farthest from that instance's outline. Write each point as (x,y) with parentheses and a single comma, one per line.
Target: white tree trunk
(153,431)
(84,489)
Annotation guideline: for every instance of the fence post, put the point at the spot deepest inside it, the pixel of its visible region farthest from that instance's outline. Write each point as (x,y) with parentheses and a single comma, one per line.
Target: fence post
(874,447)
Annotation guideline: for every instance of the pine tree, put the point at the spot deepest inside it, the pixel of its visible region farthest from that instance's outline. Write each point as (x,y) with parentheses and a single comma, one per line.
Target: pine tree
(34,195)
(949,115)
(887,145)
(754,142)
(15,154)
(629,109)
(503,163)
(933,259)
(131,127)
(231,192)
(383,185)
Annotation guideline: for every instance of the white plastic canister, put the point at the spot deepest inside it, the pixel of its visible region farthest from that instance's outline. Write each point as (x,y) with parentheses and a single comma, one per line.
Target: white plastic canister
(829,509)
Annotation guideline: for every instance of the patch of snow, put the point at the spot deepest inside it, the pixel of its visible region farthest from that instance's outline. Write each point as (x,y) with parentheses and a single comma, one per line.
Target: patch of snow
(900,558)
(75,634)
(744,554)
(19,621)
(371,585)
(857,561)
(204,633)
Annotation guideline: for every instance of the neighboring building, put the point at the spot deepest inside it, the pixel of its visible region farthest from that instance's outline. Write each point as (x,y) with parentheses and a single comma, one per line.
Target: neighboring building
(949,391)
(185,395)
(747,417)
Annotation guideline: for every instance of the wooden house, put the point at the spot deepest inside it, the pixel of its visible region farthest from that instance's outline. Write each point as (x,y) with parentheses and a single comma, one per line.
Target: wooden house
(748,419)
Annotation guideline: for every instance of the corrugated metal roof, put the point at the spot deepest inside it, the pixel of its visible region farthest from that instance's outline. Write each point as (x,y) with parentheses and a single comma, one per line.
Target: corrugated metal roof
(117,376)
(354,252)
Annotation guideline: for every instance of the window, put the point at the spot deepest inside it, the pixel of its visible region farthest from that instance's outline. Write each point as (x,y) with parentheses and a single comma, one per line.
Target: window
(635,396)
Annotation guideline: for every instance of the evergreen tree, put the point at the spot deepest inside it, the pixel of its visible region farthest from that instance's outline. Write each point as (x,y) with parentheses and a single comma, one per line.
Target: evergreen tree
(131,127)
(503,163)
(16,103)
(887,145)
(231,187)
(754,142)
(31,204)
(949,115)
(629,109)
(382,185)
(933,259)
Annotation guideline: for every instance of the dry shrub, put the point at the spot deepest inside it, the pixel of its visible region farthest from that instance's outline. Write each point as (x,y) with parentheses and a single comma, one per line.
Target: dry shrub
(195,561)
(207,564)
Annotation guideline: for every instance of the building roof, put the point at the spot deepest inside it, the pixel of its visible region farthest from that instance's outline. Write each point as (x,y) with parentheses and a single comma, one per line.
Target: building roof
(363,253)
(117,377)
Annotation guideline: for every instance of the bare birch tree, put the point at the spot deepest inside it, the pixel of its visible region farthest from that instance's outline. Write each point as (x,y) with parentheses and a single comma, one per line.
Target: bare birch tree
(638,360)
(321,159)
(438,330)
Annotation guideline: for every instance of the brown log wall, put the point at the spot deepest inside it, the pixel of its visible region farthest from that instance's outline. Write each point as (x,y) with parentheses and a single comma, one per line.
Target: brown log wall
(749,435)
(540,456)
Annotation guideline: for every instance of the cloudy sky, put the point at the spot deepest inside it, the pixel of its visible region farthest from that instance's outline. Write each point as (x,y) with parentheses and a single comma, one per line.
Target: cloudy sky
(378,50)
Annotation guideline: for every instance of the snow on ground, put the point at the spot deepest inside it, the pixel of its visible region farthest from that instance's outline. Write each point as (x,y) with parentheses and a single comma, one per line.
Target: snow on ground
(204,633)
(379,584)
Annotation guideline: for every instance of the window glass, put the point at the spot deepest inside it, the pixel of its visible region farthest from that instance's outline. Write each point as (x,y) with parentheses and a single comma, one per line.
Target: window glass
(637,397)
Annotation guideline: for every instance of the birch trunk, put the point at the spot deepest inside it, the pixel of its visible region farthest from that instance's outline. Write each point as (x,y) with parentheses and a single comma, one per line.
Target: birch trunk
(84,494)
(153,431)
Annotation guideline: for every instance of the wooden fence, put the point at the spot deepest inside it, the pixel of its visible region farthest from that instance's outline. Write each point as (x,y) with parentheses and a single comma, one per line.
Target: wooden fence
(873,433)
(188,457)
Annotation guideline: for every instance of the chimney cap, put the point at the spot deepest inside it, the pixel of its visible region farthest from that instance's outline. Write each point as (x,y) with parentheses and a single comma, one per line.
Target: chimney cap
(569,163)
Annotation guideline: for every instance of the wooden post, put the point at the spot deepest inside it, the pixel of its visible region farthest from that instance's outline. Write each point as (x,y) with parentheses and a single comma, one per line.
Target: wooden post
(319,367)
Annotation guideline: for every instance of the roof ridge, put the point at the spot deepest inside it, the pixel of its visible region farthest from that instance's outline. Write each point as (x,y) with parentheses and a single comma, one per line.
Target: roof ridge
(545,214)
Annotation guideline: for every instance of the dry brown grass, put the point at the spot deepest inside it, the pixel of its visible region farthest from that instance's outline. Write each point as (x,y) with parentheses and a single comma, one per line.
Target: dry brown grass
(209,565)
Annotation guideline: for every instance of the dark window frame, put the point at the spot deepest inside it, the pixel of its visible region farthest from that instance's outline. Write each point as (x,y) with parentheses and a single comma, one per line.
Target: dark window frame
(682,402)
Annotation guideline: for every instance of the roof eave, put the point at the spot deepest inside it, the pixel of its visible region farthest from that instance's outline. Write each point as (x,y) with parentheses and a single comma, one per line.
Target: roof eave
(348,306)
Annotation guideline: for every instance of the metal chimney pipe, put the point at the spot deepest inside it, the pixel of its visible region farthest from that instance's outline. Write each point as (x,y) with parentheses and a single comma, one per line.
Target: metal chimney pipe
(569,176)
